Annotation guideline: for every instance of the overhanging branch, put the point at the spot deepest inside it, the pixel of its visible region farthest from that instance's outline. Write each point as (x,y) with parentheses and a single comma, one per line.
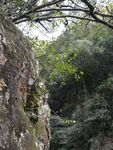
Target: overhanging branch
(60,17)
(37,8)
(92,14)
(60,8)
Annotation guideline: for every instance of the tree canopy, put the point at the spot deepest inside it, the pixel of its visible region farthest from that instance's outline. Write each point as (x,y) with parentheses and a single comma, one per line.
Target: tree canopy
(41,11)
(77,64)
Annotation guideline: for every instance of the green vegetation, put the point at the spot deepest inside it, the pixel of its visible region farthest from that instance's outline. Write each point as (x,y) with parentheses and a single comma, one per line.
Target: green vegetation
(78,68)
(78,72)
(76,65)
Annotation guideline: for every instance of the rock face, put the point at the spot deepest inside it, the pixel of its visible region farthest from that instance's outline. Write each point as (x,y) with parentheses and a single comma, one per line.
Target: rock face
(17,76)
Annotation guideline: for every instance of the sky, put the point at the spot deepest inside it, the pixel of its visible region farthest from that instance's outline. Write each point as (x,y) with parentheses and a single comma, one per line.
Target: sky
(39,32)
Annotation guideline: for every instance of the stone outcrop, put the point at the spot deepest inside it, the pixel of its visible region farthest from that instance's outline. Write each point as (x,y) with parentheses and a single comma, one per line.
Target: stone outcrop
(17,77)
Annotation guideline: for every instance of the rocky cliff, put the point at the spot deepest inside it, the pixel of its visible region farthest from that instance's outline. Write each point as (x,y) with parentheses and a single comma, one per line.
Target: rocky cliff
(18,79)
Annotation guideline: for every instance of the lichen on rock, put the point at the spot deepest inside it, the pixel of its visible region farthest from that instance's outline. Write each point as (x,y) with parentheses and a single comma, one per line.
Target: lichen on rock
(17,75)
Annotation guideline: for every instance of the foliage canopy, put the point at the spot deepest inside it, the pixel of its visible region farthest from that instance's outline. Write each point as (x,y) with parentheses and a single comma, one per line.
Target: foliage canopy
(45,11)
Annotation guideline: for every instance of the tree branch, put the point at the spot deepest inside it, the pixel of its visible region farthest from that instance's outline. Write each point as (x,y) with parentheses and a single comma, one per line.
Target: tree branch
(73,9)
(37,8)
(63,16)
(92,14)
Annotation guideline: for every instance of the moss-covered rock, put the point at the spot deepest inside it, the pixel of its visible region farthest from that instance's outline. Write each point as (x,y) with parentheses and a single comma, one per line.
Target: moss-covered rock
(17,70)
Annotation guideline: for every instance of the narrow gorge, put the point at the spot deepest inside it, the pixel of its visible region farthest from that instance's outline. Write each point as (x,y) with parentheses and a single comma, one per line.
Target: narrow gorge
(55,94)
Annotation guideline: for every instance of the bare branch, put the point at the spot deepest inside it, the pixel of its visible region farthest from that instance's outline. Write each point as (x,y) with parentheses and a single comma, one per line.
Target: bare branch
(37,8)
(64,9)
(92,14)
(63,16)
(59,9)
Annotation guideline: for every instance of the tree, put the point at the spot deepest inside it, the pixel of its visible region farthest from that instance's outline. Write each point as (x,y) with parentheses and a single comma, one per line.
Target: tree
(86,50)
(39,11)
